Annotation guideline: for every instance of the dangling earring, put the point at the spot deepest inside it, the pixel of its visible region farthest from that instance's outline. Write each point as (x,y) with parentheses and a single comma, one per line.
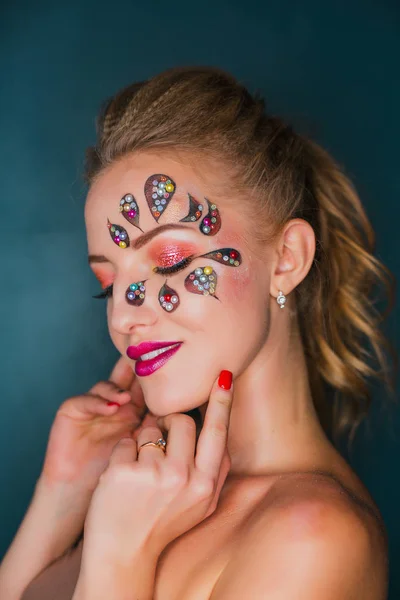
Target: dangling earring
(281,299)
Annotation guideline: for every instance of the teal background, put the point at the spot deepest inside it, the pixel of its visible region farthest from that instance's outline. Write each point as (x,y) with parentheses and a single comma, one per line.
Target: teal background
(331,67)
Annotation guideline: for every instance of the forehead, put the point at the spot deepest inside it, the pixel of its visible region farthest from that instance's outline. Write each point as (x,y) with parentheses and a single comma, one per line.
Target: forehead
(201,179)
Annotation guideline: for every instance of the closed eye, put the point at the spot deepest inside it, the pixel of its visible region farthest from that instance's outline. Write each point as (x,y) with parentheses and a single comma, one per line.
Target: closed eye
(107,293)
(175,268)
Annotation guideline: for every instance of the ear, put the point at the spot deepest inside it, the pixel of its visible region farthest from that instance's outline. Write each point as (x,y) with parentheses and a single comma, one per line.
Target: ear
(294,255)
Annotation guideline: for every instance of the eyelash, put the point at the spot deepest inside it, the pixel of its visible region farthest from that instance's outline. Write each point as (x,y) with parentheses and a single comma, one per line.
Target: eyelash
(175,268)
(107,293)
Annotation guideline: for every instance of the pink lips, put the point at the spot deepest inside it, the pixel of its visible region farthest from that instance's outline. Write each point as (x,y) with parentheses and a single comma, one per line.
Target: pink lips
(147,367)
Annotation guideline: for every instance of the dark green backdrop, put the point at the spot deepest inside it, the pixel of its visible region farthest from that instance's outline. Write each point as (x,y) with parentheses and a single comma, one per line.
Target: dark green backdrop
(331,67)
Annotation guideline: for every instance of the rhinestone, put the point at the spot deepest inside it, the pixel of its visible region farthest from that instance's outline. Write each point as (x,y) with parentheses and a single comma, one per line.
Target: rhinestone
(133,204)
(160,192)
(211,277)
(213,220)
(133,287)
(163,202)
(122,244)
(195,282)
(174,299)
(127,207)
(200,207)
(121,208)
(206,293)
(113,228)
(206,230)
(122,236)
(131,296)
(154,208)
(142,288)
(122,201)
(206,285)
(192,218)
(155,182)
(154,196)
(141,296)
(236,263)
(198,272)
(157,202)
(207,270)
(231,261)
(129,197)
(161,185)
(213,206)
(200,287)
(161,299)
(160,208)
(169,306)
(203,278)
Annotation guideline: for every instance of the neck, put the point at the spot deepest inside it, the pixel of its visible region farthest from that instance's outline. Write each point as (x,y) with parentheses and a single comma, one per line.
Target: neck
(274,426)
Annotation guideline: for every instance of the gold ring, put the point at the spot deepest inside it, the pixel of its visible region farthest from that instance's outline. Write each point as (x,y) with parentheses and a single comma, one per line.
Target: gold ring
(160,443)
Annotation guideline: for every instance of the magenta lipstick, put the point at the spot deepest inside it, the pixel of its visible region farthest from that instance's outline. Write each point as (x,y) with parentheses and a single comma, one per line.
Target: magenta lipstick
(151,356)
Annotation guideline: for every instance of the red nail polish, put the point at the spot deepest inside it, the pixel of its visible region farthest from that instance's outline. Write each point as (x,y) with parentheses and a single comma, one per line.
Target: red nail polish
(112,404)
(225,380)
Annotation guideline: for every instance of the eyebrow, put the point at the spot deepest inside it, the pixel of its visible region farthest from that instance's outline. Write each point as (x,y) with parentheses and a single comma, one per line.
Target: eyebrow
(143,239)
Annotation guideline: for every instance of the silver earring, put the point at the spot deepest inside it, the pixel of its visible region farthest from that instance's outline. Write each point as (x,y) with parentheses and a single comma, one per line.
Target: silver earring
(281,299)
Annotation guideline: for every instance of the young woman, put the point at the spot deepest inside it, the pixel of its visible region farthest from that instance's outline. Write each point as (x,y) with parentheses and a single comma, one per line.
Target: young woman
(237,262)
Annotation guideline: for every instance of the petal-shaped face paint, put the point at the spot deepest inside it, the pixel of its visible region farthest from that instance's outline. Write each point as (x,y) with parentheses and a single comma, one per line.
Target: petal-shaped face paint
(119,235)
(211,223)
(202,280)
(136,293)
(159,190)
(130,210)
(226,256)
(168,298)
(195,210)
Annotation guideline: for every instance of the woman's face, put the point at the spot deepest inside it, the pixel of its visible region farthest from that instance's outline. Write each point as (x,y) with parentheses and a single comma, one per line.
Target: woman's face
(212,309)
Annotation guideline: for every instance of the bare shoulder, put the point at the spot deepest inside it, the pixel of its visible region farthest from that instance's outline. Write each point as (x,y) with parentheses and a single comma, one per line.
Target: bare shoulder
(310,537)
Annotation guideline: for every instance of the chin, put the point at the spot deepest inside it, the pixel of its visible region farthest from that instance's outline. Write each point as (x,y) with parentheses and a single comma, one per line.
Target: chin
(167,395)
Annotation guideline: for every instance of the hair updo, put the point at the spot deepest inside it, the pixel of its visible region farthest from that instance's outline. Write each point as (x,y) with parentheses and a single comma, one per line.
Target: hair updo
(206,111)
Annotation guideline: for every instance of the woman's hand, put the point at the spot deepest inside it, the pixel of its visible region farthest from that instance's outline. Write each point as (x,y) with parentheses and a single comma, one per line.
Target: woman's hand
(145,500)
(87,427)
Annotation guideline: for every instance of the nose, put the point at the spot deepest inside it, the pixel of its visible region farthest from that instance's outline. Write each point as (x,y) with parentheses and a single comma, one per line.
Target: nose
(124,317)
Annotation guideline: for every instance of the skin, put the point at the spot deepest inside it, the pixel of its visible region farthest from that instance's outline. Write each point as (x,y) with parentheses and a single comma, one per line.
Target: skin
(275,441)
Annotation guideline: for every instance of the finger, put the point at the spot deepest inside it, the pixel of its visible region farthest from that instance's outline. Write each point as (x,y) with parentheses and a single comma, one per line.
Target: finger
(122,374)
(150,454)
(124,452)
(87,406)
(110,391)
(181,437)
(223,474)
(214,434)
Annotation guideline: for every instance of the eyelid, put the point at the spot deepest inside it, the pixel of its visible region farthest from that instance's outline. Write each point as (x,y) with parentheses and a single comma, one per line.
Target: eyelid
(179,266)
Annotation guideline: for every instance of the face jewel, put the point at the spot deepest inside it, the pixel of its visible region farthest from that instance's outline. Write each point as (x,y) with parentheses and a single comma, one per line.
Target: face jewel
(118,234)
(159,190)
(168,298)
(225,256)
(195,210)
(130,210)
(136,293)
(202,280)
(211,223)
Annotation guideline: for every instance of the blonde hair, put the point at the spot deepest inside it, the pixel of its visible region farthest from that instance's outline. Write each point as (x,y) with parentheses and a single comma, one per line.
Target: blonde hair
(206,111)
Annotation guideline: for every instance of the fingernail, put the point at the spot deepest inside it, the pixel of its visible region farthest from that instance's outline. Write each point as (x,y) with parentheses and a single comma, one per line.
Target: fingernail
(112,403)
(225,380)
